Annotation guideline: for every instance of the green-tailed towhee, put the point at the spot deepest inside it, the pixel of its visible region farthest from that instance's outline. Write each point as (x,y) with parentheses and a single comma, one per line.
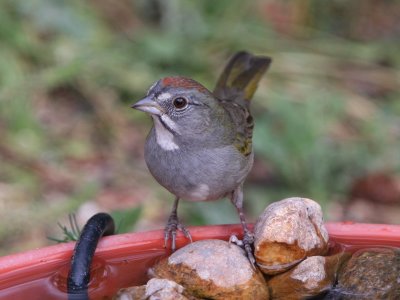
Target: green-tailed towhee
(200,147)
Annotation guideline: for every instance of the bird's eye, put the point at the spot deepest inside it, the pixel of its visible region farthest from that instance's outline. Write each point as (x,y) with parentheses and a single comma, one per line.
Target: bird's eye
(180,103)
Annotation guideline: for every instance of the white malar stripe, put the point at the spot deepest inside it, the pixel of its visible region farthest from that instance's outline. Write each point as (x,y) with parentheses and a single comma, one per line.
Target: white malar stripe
(200,192)
(171,124)
(164,137)
(164,96)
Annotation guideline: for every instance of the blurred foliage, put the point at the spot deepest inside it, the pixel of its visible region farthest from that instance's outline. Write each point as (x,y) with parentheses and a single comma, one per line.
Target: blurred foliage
(126,219)
(71,232)
(326,113)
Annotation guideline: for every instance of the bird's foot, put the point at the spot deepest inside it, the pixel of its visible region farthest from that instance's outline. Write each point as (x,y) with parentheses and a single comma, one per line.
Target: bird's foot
(233,239)
(246,243)
(173,225)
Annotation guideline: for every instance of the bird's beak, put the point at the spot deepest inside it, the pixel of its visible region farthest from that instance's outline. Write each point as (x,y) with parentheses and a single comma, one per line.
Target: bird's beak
(148,105)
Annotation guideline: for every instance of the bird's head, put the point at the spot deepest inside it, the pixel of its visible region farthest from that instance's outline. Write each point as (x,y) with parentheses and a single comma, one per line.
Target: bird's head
(182,106)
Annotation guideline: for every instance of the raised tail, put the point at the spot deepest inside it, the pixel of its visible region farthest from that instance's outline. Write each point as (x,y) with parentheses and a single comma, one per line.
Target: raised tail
(241,75)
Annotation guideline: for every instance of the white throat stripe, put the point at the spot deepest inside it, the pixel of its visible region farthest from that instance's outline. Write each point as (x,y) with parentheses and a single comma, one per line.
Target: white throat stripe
(164,138)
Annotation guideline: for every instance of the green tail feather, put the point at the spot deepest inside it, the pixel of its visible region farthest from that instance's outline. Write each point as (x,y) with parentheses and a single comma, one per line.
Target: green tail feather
(241,76)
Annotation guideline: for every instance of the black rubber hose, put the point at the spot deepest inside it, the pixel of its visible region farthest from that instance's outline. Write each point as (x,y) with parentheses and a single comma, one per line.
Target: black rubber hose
(97,226)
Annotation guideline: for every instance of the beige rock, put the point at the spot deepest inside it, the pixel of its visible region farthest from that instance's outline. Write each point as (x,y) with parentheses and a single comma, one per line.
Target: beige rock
(311,277)
(213,269)
(164,289)
(155,289)
(131,293)
(287,232)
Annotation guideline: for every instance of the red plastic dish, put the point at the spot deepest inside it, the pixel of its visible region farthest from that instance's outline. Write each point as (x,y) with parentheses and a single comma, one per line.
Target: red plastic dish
(123,260)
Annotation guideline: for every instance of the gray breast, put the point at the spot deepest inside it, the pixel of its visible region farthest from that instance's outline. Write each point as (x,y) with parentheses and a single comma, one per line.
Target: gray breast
(197,174)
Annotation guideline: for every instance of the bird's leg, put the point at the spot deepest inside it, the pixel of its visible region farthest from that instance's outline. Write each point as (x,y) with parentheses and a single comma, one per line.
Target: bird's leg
(173,225)
(248,238)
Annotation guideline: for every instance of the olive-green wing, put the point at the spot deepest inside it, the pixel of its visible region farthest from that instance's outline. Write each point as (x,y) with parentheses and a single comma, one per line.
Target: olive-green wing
(243,124)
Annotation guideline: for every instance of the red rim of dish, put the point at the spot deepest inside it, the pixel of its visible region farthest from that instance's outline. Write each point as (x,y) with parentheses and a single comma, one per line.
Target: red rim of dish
(48,258)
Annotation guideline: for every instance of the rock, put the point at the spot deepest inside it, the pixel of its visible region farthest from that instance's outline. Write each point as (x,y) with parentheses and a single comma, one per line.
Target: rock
(213,269)
(164,289)
(309,278)
(371,274)
(131,293)
(287,232)
(155,289)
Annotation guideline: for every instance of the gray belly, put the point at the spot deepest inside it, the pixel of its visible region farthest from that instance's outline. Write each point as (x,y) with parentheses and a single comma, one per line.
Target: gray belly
(198,175)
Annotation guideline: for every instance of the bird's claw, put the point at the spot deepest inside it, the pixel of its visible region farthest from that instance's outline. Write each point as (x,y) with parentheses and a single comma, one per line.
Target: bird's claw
(233,239)
(173,225)
(246,243)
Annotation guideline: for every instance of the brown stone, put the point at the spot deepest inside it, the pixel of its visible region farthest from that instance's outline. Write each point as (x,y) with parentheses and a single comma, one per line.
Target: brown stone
(287,232)
(311,277)
(371,274)
(213,269)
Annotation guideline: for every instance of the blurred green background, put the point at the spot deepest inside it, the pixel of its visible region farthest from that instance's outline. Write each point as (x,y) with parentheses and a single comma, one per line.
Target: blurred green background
(327,113)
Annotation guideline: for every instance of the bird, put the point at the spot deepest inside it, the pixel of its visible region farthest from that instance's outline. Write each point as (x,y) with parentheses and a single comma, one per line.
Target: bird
(200,146)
